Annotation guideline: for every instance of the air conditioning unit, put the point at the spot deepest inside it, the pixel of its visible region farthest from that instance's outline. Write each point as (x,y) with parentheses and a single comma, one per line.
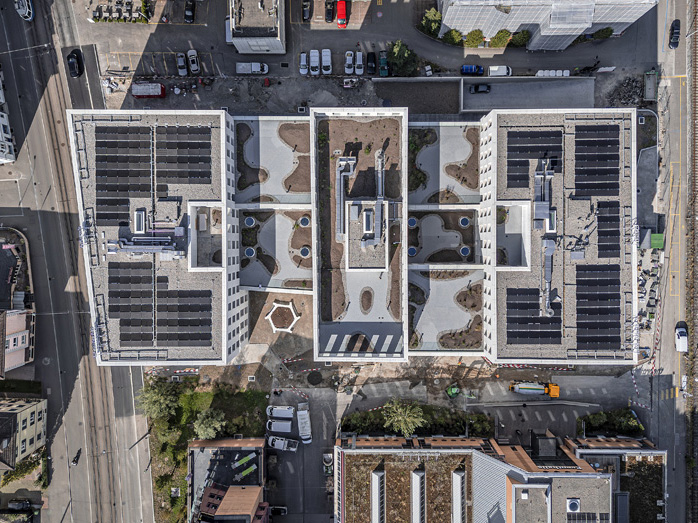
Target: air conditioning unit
(573,505)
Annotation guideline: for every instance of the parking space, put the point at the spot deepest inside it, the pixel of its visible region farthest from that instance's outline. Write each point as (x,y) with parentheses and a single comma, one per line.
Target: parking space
(154,63)
(174,12)
(528,93)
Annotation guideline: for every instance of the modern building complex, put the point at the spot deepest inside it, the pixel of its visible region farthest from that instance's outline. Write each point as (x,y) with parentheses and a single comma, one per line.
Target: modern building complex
(227,481)
(256,27)
(512,238)
(7,146)
(22,430)
(473,479)
(553,24)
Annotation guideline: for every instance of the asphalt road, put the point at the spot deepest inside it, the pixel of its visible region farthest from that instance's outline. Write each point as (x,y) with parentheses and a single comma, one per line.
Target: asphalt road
(90,409)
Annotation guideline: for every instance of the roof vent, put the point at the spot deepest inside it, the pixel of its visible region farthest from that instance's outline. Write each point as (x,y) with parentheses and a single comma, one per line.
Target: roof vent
(573,505)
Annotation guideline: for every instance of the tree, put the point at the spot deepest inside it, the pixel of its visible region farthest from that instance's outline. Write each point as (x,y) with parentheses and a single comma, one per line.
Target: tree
(520,39)
(402,59)
(431,23)
(501,39)
(209,424)
(604,33)
(159,399)
(474,38)
(453,37)
(402,417)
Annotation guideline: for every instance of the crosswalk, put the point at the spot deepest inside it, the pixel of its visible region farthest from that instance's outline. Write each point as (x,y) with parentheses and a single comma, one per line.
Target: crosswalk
(668,394)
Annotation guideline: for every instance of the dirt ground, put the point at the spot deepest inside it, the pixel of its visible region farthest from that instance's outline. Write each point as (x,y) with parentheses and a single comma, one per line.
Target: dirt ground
(464,338)
(418,139)
(268,261)
(468,172)
(248,175)
(366,300)
(471,299)
(451,222)
(284,344)
(238,376)
(444,275)
(299,180)
(443,98)
(299,284)
(444,196)
(395,273)
(297,136)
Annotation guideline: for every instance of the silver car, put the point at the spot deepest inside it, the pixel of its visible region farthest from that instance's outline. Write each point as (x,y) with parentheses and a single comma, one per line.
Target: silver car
(181,64)
(303,66)
(193,61)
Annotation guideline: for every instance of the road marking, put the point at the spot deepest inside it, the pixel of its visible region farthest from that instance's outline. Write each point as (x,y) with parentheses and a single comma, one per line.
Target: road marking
(538,416)
(379,2)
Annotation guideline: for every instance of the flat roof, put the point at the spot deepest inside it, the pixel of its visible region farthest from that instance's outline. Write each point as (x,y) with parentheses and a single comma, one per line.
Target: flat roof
(566,245)
(255,18)
(149,188)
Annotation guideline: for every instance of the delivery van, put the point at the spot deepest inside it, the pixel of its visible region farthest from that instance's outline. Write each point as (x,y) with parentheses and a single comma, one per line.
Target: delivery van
(499,70)
(681,340)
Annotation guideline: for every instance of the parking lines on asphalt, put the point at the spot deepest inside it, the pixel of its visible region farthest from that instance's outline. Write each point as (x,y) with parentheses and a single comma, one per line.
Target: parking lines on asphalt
(538,416)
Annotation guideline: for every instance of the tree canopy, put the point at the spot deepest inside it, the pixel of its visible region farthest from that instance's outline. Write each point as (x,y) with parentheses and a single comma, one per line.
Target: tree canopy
(159,399)
(209,424)
(402,417)
(402,59)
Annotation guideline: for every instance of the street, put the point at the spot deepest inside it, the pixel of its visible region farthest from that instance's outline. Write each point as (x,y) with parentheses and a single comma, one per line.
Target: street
(111,481)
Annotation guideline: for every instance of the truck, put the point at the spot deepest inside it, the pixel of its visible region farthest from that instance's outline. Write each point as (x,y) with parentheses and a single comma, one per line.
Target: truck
(681,339)
(148,90)
(499,70)
(535,389)
(251,68)
(278,443)
(304,429)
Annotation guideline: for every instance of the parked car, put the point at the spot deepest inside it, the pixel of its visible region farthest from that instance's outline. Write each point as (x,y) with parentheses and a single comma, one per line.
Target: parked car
(326,61)
(280,412)
(193,61)
(675,34)
(680,338)
(371,63)
(341,14)
(181,59)
(479,88)
(472,70)
(306,10)
(278,510)
(75,64)
(349,62)
(303,65)
(359,63)
(314,62)
(189,11)
(278,425)
(329,11)
(383,63)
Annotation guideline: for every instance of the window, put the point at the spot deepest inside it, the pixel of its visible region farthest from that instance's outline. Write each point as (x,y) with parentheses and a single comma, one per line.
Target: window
(7,344)
(24,339)
(14,341)
(40,415)
(24,423)
(31,442)
(23,448)
(31,419)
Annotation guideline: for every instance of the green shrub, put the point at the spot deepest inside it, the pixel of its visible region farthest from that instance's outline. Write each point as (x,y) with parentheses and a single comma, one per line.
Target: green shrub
(402,59)
(431,23)
(474,38)
(604,33)
(22,469)
(453,37)
(520,39)
(501,39)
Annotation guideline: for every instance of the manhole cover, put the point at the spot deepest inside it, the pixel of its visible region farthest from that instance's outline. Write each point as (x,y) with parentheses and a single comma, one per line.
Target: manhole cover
(314,378)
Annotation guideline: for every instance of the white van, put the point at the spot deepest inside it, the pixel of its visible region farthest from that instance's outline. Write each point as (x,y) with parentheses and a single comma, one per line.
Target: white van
(277,425)
(280,412)
(499,70)
(681,340)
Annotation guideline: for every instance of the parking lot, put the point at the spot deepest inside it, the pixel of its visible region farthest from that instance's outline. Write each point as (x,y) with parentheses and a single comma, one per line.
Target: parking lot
(297,480)
(155,63)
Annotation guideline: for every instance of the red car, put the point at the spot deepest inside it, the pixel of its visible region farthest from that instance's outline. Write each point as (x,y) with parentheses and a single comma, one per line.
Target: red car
(341,14)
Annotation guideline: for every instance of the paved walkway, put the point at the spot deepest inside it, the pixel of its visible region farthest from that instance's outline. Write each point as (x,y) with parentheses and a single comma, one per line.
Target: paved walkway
(433,237)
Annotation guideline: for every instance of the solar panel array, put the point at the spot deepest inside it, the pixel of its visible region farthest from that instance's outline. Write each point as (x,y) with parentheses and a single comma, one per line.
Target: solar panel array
(597,160)
(183,317)
(123,170)
(524,146)
(183,154)
(582,517)
(598,307)
(131,301)
(526,325)
(608,220)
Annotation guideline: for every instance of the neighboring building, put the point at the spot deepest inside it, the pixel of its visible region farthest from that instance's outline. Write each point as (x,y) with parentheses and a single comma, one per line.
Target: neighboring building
(160,235)
(226,481)
(22,430)
(256,26)
(18,329)
(553,24)
(7,146)
(378,480)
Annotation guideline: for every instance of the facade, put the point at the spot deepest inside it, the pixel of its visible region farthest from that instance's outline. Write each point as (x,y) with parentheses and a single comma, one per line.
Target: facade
(474,479)
(256,27)
(233,491)
(553,24)
(22,430)
(18,327)
(7,147)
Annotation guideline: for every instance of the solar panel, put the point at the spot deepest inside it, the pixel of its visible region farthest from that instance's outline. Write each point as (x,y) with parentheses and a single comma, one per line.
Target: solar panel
(598,307)
(597,160)
(183,154)
(524,146)
(608,220)
(581,517)
(526,325)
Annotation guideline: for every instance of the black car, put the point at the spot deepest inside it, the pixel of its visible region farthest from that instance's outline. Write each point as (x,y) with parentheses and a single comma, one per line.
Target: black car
(329,11)
(675,34)
(278,511)
(306,10)
(189,11)
(479,88)
(371,63)
(75,65)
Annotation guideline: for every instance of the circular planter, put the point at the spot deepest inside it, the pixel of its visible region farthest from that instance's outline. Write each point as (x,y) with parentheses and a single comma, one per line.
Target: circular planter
(304,221)
(250,221)
(305,251)
(249,252)
(464,251)
(464,221)
(411,251)
(412,222)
